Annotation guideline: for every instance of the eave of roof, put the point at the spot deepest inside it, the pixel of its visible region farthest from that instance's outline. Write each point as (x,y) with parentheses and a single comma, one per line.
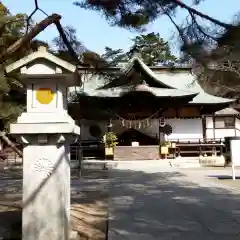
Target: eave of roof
(205,98)
(120,91)
(227,111)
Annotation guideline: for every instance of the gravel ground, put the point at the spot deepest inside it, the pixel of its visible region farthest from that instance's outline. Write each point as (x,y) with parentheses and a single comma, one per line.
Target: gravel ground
(155,202)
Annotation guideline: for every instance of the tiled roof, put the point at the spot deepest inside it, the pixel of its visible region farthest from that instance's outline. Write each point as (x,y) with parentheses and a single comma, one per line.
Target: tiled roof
(170,84)
(227,111)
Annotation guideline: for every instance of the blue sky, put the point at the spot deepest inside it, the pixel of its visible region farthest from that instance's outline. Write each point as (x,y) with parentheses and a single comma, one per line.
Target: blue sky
(95,32)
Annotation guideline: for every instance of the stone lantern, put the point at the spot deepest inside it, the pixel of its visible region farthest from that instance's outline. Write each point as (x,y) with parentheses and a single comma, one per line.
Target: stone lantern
(46,131)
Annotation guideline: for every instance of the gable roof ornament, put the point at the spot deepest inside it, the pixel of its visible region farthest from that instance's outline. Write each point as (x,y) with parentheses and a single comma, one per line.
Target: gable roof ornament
(135,52)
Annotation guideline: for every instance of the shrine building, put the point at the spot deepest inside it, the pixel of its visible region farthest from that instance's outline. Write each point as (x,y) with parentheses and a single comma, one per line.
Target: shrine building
(144,105)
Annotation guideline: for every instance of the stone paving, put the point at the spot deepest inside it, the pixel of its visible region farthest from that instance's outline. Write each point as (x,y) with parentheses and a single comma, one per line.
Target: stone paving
(154,202)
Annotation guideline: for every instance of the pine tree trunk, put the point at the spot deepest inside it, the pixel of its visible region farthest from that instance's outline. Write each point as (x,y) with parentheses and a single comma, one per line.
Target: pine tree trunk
(10,143)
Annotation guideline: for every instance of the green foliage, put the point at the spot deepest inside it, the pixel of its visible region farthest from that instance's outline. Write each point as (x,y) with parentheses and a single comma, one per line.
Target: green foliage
(129,14)
(110,139)
(10,31)
(134,14)
(113,57)
(150,47)
(153,49)
(164,144)
(12,93)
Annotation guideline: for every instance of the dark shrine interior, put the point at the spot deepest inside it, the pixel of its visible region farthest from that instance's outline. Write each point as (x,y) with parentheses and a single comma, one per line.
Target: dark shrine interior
(133,135)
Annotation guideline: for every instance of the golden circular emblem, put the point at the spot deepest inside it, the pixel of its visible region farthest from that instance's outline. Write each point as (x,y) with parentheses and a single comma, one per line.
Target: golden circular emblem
(44,95)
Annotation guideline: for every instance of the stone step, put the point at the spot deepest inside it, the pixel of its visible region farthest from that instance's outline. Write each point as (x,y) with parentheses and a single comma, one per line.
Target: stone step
(185,163)
(94,165)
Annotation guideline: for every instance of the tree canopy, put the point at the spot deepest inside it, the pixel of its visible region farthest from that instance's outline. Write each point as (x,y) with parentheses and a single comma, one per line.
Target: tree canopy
(150,47)
(10,89)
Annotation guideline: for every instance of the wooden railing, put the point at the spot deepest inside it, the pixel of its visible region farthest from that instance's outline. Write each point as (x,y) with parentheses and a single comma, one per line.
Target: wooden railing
(197,147)
(197,140)
(87,150)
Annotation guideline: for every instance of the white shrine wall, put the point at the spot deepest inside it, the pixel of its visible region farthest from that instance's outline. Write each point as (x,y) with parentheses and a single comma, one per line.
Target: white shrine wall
(219,133)
(209,127)
(184,129)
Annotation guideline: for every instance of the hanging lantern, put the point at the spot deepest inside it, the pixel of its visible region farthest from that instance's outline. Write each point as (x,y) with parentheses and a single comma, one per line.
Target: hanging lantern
(162,122)
(135,124)
(110,125)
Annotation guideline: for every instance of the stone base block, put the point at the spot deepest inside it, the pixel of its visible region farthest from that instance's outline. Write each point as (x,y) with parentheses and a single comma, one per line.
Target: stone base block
(215,161)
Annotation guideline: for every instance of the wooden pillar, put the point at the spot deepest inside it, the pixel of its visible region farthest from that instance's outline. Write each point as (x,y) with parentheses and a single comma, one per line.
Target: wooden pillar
(204,128)
(214,122)
(235,123)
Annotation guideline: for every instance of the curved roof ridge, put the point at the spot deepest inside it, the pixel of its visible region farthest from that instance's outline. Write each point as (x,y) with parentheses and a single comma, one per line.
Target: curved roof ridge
(126,69)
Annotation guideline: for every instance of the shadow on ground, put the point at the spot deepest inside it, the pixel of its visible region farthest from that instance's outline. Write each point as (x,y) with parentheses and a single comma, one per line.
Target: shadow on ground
(10,223)
(223,177)
(88,204)
(168,205)
(144,205)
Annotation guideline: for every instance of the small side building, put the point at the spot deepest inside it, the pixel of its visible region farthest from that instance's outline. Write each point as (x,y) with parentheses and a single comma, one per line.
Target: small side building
(223,123)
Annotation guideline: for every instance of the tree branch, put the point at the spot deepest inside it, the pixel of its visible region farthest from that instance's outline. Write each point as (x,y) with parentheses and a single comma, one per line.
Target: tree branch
(202,15)
(29,36)
(199,27)
(66,42)
(10,143)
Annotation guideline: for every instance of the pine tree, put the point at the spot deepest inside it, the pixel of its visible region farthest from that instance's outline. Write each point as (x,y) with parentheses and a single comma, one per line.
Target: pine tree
(152,49)
(11,91)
